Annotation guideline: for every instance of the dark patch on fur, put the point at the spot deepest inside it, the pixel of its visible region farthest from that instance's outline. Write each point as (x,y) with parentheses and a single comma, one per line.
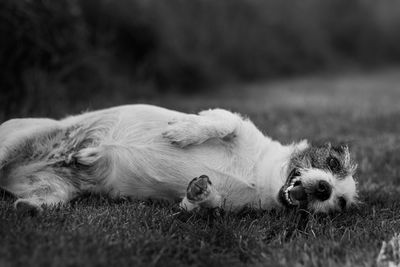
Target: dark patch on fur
(56,150)
(321,156)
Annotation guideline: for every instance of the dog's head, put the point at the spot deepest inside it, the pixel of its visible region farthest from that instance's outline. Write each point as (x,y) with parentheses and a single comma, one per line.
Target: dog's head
(321,179)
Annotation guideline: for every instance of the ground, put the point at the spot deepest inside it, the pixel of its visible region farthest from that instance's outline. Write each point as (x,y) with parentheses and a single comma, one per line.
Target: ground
(359,109)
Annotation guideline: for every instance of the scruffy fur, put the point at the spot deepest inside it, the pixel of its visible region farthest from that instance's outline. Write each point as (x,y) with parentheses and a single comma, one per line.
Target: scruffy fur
(143,151)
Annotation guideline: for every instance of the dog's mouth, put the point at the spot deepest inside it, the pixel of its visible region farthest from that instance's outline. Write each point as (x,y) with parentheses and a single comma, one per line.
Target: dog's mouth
(293,192)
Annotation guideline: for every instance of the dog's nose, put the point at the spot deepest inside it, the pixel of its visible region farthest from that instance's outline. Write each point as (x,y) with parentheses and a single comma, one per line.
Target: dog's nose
(323,190)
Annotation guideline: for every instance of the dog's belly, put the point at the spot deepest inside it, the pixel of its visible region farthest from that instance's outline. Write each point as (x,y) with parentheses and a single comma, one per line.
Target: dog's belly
(146,165)
(165,172)
(158,169)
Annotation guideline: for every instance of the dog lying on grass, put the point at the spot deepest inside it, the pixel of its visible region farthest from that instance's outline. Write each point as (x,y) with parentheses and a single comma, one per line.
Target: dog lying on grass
(148,152)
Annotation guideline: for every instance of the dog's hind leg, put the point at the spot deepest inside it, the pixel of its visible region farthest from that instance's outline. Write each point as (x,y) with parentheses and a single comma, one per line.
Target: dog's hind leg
(196,129)
(40,189)
(201,193)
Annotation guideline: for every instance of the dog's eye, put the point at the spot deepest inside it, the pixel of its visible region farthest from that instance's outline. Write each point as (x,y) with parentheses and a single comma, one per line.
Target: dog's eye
(333,164)
(342,202)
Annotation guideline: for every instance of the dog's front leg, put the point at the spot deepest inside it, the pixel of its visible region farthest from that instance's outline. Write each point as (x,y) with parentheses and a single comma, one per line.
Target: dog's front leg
(196,129)
(201,193)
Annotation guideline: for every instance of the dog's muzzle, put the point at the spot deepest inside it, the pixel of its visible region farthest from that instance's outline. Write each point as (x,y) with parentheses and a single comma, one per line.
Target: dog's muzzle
(322,190)
(294,193)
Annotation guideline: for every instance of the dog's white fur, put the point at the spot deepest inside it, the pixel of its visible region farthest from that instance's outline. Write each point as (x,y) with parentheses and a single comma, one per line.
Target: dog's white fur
(144,151)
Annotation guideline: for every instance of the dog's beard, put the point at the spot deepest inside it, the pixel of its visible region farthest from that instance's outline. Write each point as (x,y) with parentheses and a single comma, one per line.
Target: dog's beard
(293,193)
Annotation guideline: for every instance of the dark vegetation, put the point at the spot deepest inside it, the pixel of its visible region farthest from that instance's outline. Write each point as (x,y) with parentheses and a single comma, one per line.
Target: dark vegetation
(80,52)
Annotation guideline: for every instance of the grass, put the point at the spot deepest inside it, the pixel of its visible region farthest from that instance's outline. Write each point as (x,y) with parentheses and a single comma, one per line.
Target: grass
(360,109)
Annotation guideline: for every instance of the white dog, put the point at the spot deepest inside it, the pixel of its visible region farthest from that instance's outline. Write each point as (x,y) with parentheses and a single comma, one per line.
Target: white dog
(143,151)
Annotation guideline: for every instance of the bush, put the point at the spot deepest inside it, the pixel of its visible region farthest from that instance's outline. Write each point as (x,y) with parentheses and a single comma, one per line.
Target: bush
(39,39)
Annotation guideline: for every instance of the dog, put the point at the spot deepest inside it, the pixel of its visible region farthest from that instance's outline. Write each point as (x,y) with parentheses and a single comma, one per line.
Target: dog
(214,159)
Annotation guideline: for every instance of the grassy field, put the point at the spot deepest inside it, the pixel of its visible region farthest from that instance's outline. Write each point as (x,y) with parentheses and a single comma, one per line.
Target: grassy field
(360,109)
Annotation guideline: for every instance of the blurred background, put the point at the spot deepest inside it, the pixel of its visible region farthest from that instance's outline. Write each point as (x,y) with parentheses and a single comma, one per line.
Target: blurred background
(324,70)
(64,56)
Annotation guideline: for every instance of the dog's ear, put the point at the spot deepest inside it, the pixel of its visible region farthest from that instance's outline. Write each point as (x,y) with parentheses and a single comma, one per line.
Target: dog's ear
(345,148)
(344,152)
(322,144)
(328,145)
(341,148)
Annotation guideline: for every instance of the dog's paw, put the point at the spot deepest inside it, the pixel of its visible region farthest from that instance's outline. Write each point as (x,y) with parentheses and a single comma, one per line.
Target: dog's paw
(197,193)
(201,193)
(183,132)
(199,189)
